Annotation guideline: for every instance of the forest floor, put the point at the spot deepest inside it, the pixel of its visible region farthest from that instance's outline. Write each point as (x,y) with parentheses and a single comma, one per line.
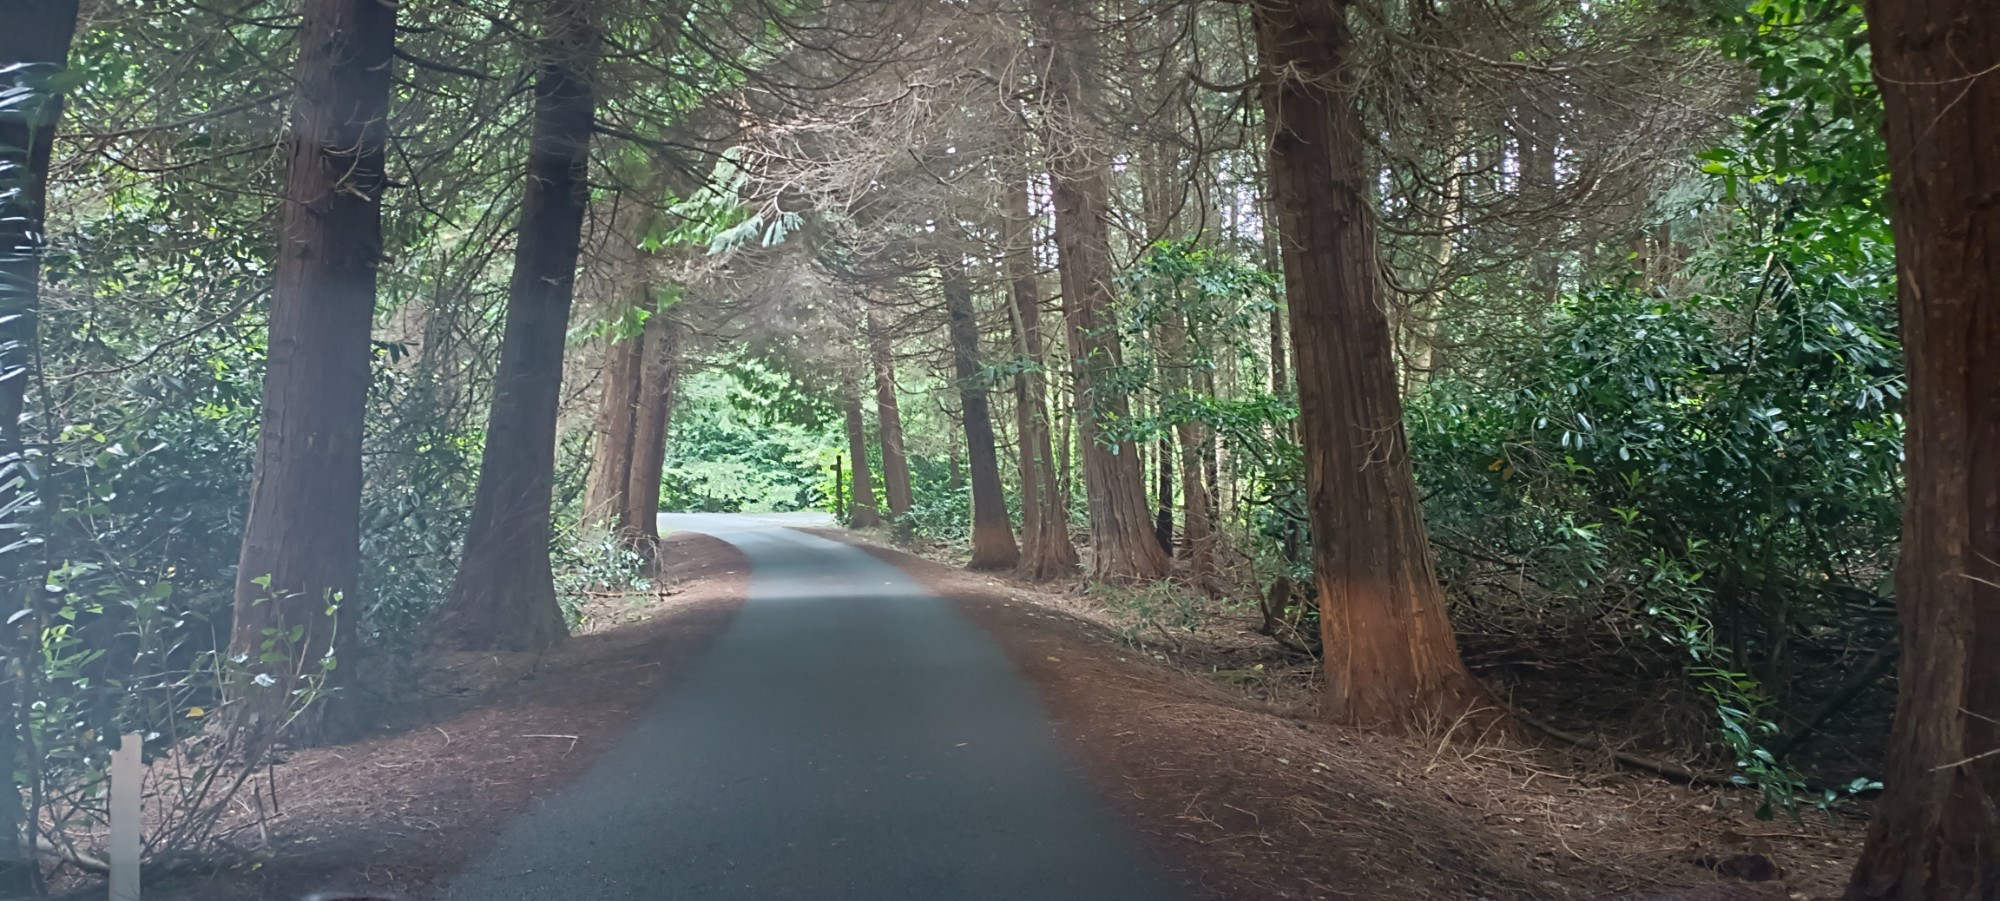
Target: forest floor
(470,742)
(1241,791)
(1249,796)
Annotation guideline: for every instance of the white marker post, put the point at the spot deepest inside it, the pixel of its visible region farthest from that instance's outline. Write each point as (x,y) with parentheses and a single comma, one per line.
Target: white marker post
(127,774)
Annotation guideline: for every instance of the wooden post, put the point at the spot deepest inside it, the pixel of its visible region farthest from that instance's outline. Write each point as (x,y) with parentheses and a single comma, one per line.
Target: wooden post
(127,773)
(839,504)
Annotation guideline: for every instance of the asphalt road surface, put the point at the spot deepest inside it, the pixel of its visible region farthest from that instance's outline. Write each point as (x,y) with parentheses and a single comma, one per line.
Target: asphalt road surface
(849,737)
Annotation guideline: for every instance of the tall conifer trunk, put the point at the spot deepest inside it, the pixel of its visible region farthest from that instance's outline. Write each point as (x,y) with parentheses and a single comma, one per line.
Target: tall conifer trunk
(504,596)
(34,47)
(895,463)
(302,535)
(1123,547)
(659,380)
(1046,551)
(1389,646)
(863,514)
(992,531)
(604,501)
(1935,835)
(1197,531)
(611,447)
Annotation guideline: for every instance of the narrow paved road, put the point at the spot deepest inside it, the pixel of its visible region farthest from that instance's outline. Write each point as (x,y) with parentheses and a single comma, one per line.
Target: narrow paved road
(849,737)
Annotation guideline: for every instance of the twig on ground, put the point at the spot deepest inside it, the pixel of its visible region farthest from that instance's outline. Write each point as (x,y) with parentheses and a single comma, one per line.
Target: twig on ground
(572,741)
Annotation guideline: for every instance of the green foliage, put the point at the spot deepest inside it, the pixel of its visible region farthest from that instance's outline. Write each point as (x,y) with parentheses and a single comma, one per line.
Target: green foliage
(1206,298)
(1712,460)
(1198,295)
(1815,132)
(732,450)
(589,563)
(718,219)
(943,507)
(1718,469)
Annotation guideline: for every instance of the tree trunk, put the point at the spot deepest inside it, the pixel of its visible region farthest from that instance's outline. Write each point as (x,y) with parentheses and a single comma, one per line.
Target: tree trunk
(1423,315)
(34,46)
(617,416)
(864,514)
(1047,552)
(1196,530)
(1122,543)
(993,545)
(1163,497)
(1279,350)
(1936,834)
(302,535)
(504,596)
(839,490)
(1390,652)
(895,463)
(659,379)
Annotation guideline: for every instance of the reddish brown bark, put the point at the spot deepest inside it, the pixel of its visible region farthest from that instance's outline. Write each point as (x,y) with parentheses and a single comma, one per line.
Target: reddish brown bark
(862,512)
(895,463)
(1390,652)
(1936,832)
(611,448)
(504,596)
(1197,529)
(993,545)
(1122,543)
(1046,549)
(302,536)
(34,47)
(659,379)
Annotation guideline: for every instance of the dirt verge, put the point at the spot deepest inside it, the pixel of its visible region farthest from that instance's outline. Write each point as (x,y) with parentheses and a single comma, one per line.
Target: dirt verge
(1249,802)
(482,741)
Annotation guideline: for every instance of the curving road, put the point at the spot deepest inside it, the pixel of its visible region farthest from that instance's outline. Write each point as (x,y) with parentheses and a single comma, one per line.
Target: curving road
(849,737)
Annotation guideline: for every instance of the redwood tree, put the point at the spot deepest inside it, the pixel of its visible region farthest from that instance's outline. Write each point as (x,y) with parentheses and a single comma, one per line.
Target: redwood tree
(1191,434)
(1123,547)
(1389,646)
(34,46)
(895,462)
(659,377)
(604,496)
(302,537)
(863,512)
(504,596)
(992,532)
(1936,833)
(1046,550)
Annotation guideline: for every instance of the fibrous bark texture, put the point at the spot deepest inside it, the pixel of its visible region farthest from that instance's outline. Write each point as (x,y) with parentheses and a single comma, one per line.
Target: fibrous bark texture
(604,503)
(302,536)
(1123,547)
(1046,549)
(659,379)
(628,283)
(1390,652)
(993,545)
(1936,832)
(895,462)
(504,596)
(862,514)
(1197,531)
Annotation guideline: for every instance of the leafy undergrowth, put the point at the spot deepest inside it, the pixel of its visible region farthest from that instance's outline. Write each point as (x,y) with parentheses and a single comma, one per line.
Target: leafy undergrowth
(1249,796)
